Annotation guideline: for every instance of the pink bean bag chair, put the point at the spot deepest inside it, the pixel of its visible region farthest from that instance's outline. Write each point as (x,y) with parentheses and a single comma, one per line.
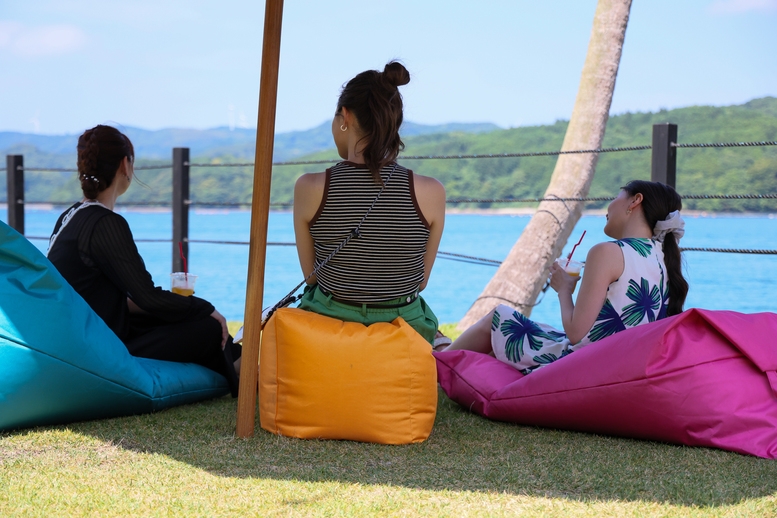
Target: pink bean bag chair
(701,378)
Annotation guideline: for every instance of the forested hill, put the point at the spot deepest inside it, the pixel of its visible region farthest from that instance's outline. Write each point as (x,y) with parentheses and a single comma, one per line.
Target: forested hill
(699,171)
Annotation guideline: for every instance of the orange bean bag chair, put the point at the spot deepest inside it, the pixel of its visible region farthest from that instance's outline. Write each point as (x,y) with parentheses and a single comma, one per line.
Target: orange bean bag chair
(322,378)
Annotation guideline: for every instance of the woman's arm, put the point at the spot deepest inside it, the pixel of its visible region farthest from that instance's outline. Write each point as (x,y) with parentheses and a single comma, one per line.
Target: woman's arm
(308,194)
(430,195)
(134,308)
(603,266)
(112,248)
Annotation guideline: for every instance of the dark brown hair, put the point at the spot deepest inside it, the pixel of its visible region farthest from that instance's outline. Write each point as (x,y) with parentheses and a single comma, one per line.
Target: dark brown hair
(658,200)
(374,99)
(100,152)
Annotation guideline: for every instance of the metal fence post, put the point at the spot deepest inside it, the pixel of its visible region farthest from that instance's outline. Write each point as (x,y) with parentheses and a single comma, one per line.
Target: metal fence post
(664,164)
(14,171)
(180,205)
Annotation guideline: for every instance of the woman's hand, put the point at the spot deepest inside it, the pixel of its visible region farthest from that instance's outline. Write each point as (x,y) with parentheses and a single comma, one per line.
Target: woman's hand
(603,265)
(561,281)
(224,331)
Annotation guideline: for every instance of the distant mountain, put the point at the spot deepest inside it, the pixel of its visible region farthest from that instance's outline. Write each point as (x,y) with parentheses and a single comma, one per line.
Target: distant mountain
(734,170)
(298,143)
(12,142)
(217,142)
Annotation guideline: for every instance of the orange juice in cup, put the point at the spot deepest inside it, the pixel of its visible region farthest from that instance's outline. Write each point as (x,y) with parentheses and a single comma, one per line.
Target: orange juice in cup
(571,267)
(182,283)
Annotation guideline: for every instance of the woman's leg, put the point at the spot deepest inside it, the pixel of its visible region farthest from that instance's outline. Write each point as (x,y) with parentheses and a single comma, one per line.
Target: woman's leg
(195,341)
(477,338)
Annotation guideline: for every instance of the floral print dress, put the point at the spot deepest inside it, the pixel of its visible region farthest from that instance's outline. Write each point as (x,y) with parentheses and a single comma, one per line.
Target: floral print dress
(639,296)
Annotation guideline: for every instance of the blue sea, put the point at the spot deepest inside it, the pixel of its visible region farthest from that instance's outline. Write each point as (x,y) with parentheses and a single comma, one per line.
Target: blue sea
(745,283)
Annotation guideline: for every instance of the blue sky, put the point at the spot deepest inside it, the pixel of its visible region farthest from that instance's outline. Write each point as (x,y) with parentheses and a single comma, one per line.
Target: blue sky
(70,64)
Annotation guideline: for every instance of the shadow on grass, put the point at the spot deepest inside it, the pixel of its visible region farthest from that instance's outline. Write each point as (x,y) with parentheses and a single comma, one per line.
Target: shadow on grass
(464,453)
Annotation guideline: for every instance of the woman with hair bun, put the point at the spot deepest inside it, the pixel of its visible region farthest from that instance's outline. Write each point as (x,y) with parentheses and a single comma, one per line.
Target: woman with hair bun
(628,282)
(93,249)
(378,275)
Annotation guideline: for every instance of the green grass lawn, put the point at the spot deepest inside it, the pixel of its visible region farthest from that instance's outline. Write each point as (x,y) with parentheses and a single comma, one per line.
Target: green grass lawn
(187,461)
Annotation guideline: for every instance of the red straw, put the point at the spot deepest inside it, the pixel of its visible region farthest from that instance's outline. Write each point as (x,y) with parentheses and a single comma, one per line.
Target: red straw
(185,270)
(569,257)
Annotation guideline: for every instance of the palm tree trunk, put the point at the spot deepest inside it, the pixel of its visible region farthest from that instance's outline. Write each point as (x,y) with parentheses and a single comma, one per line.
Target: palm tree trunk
(521,276)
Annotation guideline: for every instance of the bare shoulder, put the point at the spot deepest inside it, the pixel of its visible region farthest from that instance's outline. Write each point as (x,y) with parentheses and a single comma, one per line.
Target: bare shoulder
(311,180)
(430,194)
(428,191)
(606,259)
(428,184)
(604,250)
(308,193)
(309,188)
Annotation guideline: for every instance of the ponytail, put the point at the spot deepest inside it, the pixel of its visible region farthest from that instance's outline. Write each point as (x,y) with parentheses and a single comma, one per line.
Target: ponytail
(658,201)
(100,152)
(374,99)
(676,283)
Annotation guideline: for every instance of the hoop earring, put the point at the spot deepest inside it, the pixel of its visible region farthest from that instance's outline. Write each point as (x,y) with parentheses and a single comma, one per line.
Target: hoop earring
(343,127)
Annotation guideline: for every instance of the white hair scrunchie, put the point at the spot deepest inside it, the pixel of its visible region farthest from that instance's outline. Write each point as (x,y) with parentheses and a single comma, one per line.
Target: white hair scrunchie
(673,223)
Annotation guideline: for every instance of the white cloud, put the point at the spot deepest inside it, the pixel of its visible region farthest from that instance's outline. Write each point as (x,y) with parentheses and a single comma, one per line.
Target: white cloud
(39,41)
(8,30)
(144,15)
(742,6)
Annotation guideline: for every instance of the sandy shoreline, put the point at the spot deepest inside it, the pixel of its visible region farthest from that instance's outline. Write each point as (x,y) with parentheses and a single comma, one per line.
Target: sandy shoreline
(601,212)
(507,211)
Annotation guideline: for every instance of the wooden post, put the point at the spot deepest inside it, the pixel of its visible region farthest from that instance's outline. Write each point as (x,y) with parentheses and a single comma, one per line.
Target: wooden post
(15,194)
(180,205)
(664,164)
(260,213)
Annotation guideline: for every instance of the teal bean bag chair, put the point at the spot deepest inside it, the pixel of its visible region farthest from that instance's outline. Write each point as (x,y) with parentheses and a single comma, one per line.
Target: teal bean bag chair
(59,362)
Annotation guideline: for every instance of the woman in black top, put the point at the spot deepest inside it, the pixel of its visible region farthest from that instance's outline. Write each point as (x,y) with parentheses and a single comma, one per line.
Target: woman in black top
(93,249)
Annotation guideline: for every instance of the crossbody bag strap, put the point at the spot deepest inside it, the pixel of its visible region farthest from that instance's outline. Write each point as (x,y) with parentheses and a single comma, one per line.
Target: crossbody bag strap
(290,297)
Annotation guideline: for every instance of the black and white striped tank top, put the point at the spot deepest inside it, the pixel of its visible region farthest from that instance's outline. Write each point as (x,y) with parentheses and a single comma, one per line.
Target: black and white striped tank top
(387,261)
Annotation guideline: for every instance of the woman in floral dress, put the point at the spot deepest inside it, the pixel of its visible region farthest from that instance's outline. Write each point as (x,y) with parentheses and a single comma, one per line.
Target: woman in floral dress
(631,281)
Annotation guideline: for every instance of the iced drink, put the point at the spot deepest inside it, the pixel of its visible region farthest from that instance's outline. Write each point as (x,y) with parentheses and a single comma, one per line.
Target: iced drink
(182,283)
(571,267)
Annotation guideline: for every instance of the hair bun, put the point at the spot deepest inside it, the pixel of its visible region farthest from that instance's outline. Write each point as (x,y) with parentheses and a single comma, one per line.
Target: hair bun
(100,153)
(396,74)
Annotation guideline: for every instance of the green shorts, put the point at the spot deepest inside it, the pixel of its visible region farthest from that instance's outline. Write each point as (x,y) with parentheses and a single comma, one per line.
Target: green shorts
(416,313)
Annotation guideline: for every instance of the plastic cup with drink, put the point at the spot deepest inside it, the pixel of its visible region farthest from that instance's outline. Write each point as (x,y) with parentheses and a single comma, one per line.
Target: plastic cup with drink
(182,283)
(568,265)
(571,267)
